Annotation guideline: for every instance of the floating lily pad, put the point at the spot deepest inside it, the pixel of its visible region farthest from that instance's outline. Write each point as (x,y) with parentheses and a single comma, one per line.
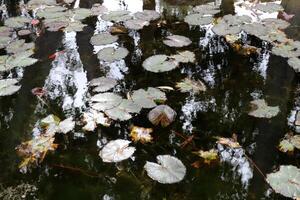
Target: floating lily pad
(110,54)
(262,110)
(4,41)
(188,85)
(92,117)
(103,84)
(224,29)
(117,16)
(76,26)
(18,46)
(80,13)
(294,63)
(17,22)
(105,101)
(38,3)
(177,41)
(275,23)
(148,15)
(163,115)
(21,59)
(24,32)
(287,50)
(5,31)
(274,36)
(159,63)
(184,57)
(206,9)
(140,134)
(148,98)
(235,20)
(286,181)
(229,142)
(8,87)
(136,24)
(256,29)
(54,26)
(198,19)
(116,151)
(103,39)
(98,9)
(66,125)
(269,7)
(168,170)
(56,12)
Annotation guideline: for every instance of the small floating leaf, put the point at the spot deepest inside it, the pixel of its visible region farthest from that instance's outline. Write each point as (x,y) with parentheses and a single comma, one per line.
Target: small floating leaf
(4,40)
(92,117)
(19,46)
(262,110)
(168,170)
(286,181)
(198,19)
(117,16)
(140,134)
(148,98)
(21,59)
(269,7)
(208,156)
(163,115)
(103,39)
(136,24)
(228,142)
(105,101)
(159,63)
(17,22)
(294,63)
(286,146)
(103,84)
(148,15)
(110,54)
(76,26)
(8,87)
(177,41)
(116,151)
(98,9)
(80,13)
(206,9)
(188,85)
(184,57)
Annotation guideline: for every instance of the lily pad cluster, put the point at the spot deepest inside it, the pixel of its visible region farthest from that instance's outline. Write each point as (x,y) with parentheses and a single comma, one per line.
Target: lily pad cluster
(202,15)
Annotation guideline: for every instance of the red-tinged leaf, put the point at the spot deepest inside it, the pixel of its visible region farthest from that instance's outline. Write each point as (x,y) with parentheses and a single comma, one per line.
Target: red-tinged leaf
(35,22)
(285,16)
(38,91)
(53,56)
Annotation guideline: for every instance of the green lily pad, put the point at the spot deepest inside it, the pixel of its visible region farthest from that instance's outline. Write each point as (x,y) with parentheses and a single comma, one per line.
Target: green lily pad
(286,50)
(198,19)
(148,98)
(75,26)
(123,111)
(188,85)
(274,23)
(184,57)
(5,31)
(8,87)
(294,63)
(103,39)
(110,54)
(159,63)
(98,9)
(206,9)
(56,12)
(136,24)
(286,146)
(103,84)
(24,32)
(117,16)
(286,181)
(4,41)
(19,46)
(224,29)
(269,7)
(262,110)
(105,101)
(235,20)
(21,59)
(80,13)
(147,15)
(38,3)
(177,41)
(256,29)
(274,36)
(163,115)
(17,22)
(54,26)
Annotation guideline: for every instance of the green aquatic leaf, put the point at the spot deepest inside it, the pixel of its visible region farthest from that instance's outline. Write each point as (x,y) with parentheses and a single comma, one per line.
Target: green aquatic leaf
(98,9)
(160,63)
(17,22)
(177,41)
(269,7)
(103,84)
(103,39)
(206,9)
(4,41)
(147,15)
(75,26)
(54,25)
(80,13)
(223,29)
(148,98)
(168,170)
(105,101)
(5,31)
(21,59)
(188,85)
(111,54)
(18,46)
(286,181)
(274,23)
(117,16)
(294,63)
(8,87)
(163,115)
(286,146)
(198,19)
(38,3)
(136,24)
(262,110)
(184,57)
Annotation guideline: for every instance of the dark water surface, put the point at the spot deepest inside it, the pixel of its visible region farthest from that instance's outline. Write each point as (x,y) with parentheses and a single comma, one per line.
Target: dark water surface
(75,171)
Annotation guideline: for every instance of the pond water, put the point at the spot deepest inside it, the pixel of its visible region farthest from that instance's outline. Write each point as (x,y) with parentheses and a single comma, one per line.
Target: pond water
(75,170)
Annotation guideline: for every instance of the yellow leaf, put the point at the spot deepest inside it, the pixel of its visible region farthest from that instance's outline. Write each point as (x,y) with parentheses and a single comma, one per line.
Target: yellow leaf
(140,134)
(208,156)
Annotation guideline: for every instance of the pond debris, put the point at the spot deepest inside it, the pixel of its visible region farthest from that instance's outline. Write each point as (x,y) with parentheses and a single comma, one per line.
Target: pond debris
(163,115)
(289,143)
(286,181)
(116,151)
(141,134)
(228,142)
(177,41)
(209,156)
(91,118)
(9,87)
(19,192)
(189,85)
(168,170)
(260,109)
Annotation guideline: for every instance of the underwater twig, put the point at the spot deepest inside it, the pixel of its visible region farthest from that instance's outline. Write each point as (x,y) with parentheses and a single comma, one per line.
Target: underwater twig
(84,172)
(256,167)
